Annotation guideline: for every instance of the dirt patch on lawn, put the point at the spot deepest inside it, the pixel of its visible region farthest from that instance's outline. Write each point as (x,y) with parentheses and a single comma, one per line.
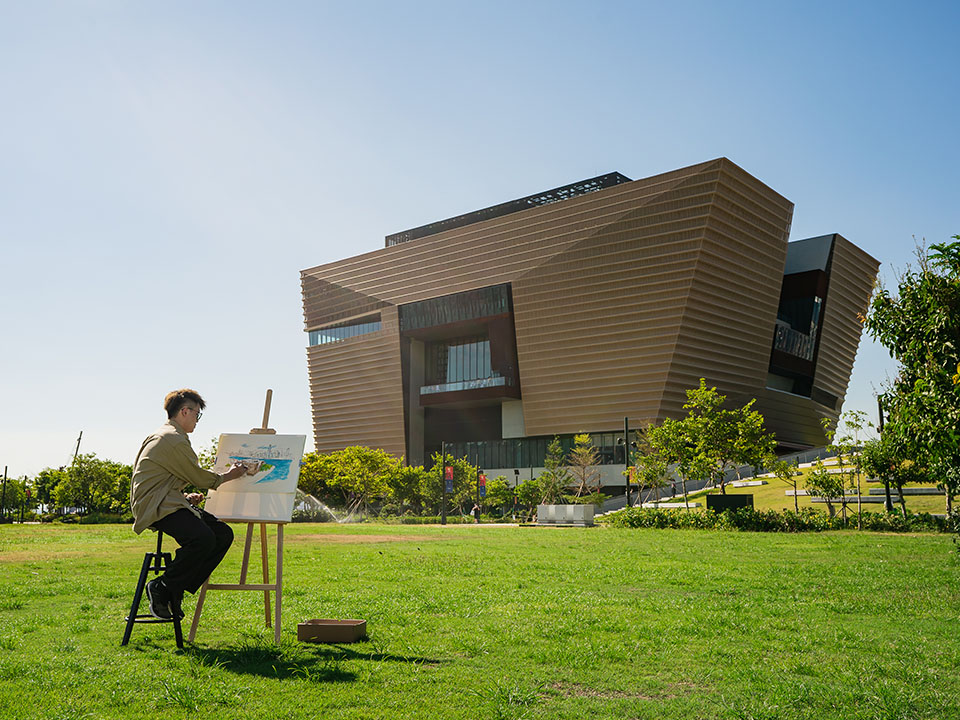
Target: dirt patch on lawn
(27,556)
(569,690)
(360,539)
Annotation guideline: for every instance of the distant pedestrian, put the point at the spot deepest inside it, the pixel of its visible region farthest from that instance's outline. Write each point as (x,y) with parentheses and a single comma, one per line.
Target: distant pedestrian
(673,488)
(476,513)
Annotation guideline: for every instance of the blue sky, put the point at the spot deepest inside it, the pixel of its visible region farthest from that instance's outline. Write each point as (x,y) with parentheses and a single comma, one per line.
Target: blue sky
(167,169)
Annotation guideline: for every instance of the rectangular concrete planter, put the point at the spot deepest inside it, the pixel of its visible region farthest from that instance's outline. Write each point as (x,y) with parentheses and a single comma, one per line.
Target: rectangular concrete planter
(565,515)
(331,631)
(720,503)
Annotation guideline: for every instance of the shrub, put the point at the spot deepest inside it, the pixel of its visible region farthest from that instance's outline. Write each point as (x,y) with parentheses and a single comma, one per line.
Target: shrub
(104,518)
(430,520)
(750,520)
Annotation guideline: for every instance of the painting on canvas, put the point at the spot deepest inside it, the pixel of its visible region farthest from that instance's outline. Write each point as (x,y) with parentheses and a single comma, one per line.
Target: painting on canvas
(268,495)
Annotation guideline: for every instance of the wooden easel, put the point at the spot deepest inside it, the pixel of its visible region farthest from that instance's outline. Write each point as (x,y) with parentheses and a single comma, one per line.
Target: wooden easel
(266,586)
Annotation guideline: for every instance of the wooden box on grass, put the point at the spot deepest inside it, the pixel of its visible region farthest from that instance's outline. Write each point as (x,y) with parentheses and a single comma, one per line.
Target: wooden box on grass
(331,631)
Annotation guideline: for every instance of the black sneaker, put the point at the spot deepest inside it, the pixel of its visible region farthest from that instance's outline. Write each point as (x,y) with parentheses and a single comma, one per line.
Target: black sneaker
(159,599)
(176,597)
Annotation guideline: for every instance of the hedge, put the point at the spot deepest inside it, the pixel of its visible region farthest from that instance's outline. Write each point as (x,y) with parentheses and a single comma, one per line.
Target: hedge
(750,520)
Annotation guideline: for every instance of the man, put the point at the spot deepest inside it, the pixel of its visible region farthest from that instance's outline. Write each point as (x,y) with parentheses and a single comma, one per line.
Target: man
(165,465)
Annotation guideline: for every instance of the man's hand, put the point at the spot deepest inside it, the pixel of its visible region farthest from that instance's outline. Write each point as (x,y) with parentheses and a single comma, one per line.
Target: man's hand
(195,498)
(238,470)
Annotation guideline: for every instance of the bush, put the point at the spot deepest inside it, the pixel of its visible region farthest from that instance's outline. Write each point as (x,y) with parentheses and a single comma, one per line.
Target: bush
(427,520)
(102,518)
(750,520)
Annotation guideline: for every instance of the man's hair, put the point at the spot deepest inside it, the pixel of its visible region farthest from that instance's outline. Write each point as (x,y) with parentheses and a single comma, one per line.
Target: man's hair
(178,398)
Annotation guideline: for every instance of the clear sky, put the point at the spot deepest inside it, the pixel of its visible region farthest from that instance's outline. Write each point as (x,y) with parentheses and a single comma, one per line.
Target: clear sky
(168,168)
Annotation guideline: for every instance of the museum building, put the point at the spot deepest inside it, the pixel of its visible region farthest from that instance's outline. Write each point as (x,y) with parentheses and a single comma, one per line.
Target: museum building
(571,309)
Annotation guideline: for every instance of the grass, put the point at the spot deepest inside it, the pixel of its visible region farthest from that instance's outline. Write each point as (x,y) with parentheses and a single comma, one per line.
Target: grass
(772,496)
(498,622)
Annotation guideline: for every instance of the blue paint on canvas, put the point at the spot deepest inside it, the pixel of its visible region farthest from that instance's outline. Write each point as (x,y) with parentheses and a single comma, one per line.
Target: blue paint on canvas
(279,472)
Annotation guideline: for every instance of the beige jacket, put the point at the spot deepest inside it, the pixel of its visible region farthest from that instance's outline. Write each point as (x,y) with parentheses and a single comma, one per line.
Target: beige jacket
(165,465)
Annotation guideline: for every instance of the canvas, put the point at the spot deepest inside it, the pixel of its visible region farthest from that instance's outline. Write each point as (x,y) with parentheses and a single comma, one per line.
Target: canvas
(269,494)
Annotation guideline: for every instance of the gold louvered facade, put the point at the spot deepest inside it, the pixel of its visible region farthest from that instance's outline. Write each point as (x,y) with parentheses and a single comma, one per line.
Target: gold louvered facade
(622,299)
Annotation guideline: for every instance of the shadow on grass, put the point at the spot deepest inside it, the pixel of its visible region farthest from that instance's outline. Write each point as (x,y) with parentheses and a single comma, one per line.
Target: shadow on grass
(320,663)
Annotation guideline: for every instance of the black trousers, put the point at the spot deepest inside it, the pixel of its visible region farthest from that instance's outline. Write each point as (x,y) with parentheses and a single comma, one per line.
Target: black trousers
(203,543)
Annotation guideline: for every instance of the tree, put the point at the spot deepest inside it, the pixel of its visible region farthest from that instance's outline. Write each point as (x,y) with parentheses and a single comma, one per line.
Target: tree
(555,479)
(920,326)
(94,485)
(316,472)
(362,474)
(841,449)
(207,457)
(880,460)
(406,486)
(499,494)
(46,483)
(752,442)
(673,442)
(650,466)
(464,482)
(826,484)
(848,446)
(786,472)
(722,438)
(583,460)
(529,494)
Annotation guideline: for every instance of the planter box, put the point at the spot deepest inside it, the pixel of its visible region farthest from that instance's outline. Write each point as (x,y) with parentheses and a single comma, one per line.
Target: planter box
(331,631)
(565,515)
(729,502)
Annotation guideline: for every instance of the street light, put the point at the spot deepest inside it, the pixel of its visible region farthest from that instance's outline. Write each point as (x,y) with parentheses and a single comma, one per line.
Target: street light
(626,454)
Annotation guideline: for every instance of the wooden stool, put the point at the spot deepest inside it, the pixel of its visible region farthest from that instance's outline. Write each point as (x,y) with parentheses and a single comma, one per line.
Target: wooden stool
(155,562)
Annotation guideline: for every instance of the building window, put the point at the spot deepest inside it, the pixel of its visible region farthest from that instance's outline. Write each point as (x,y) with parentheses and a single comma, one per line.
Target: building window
(459,307)
(342,331)
(457,361)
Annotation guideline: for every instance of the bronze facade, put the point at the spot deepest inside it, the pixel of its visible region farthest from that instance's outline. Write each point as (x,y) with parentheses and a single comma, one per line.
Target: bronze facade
(620,299)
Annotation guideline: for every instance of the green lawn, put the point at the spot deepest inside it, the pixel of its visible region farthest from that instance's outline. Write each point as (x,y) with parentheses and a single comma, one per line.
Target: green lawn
(772,496)
(498,622)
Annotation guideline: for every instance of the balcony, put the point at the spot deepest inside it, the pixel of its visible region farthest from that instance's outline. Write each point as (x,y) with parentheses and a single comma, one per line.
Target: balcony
(793,342)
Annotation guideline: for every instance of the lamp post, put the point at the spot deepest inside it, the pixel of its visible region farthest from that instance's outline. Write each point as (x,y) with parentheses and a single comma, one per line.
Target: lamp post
(888,501)
(443,483)
(625,441)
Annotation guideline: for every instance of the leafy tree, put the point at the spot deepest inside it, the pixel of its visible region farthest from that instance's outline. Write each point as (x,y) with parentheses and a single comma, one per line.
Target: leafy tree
(752,443)
(786,472)
(208,455)
(406,486)
(94,485)
(499,494)
(672,441)
(845,472)
(464,482)
(848,445)
(919,325)
(650,465)
(710,439)
(582,460)
(15,497)
(529,494)
(826,484)
(555,479)
(880,460)
(316,472)
(720,438)
(46,483)
(362,474)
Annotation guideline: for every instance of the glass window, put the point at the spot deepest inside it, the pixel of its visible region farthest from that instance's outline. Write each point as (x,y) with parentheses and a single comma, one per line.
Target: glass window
(342,331)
